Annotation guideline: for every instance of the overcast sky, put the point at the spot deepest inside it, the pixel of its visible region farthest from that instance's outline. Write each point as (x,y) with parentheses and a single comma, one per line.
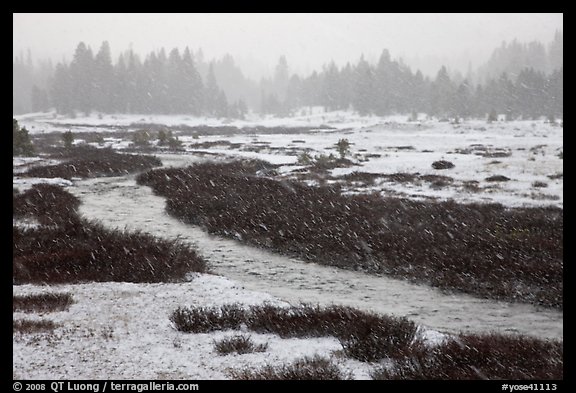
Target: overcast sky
(307,40)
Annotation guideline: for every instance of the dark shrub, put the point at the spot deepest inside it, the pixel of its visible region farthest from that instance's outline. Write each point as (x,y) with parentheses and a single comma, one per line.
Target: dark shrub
(86,251)
(28,326)
(497,178)
(239,344)
(46,302)
(204,319)
(76,250)
(50,204)
(308,368)
(364,336)
(442,164)
(539,184)
(88,161)
(490,356)
(21,143)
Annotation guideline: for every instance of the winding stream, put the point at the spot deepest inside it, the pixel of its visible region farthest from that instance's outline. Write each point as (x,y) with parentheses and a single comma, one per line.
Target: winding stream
(118,202)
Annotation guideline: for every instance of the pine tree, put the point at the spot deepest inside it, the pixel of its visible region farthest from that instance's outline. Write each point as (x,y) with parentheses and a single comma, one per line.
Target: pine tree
(40,102)
(61,90)
(21,143)
(330,88)
(82,79)
(363,99)
(103,79)
(68,139)
(192,82)
(211,92)
(443,93)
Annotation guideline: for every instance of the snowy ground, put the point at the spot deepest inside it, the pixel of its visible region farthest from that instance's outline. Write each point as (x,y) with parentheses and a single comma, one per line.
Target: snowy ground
(312,117)
(526,152)
(122,331)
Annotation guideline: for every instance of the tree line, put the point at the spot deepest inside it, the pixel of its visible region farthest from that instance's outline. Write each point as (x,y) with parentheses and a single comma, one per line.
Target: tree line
(161,84)
(183,83)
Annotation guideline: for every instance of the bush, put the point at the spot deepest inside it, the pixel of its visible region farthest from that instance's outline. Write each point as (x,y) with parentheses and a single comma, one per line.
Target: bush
(343,147)
(497,178)
(85,251)
(239,344)
(68,139)
(304,159)
(21,143)
(308,368)
(74,250)
(141,138)
(375,341)
(28,326)
(43,303)
(88,161)
(364,336)
(482,356)
(165,138)
(50,204)
(442,164)
(205,320)
(539,184)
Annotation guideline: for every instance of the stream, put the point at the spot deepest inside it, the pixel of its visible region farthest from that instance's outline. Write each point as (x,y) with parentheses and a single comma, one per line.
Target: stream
(118,202)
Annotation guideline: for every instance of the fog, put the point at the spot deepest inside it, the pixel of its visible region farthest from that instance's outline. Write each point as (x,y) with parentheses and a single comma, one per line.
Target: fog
(424,41)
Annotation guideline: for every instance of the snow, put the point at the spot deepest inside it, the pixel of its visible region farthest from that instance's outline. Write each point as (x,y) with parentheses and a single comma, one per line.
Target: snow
(23,183)
(122,331)
(391,148)
(50,121)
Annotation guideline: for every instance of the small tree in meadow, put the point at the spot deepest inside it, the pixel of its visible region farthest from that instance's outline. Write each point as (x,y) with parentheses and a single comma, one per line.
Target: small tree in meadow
(68,139)
(21,143)
(343,147)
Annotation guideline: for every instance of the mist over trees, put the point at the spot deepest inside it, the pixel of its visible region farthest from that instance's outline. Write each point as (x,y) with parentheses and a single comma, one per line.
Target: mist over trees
(519,80)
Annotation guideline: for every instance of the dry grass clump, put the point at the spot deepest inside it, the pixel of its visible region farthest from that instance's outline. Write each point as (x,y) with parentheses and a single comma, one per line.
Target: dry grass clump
(42,303)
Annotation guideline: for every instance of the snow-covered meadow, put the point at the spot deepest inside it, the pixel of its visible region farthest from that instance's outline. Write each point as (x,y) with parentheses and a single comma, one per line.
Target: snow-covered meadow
(528,152)
(123,331)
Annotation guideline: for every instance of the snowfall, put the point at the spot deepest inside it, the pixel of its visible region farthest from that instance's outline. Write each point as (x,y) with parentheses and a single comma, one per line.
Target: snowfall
(123,331)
